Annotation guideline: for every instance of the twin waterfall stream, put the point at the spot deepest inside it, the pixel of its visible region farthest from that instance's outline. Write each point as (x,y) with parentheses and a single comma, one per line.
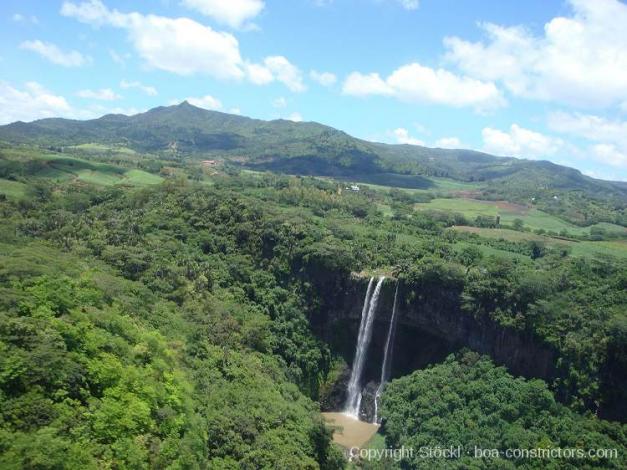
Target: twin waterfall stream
(354,390)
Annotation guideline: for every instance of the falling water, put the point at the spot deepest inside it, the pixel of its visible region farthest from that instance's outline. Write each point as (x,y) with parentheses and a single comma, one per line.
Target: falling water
(387,356)
(353,402)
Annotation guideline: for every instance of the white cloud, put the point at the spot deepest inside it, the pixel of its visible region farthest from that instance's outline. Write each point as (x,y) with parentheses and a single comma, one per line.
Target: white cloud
(402,137)
(409,4)
(234,13)
(32,102)
(146,89)
(603,175)
(104,94)
(235,111)
(258,74)
(520,142)
(590,127)
(177,45)
(358,84)
(186,47)
(285,72)
(448,143)
(417,83)
(55,55)
(296,117)
(19,18)
(323,78)
(93,12)
(279,103)
(579,60)
(606,141)
(610,155)
(608,138)
(276,68)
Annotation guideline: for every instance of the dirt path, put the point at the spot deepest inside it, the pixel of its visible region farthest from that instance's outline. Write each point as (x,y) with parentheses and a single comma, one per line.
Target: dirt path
(349,432)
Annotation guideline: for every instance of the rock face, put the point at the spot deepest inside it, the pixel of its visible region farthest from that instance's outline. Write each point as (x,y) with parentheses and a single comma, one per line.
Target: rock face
(367,402)
(333,395)
(430,326)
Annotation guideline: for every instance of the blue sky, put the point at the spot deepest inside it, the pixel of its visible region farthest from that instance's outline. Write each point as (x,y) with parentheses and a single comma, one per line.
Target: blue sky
(540,79)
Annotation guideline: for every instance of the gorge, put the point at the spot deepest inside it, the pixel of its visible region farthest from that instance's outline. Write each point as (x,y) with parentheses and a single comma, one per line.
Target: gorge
(417,328)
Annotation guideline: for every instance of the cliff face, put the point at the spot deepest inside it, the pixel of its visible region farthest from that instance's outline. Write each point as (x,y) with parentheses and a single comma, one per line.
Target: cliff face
(430,326)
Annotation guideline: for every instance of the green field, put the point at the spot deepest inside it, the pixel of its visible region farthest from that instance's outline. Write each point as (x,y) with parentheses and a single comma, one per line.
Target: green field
(141,178)
(440,185)
(12,189)
(64,168)
(101,174)
(616,248)
(577,248)
(532,218)
(100,148)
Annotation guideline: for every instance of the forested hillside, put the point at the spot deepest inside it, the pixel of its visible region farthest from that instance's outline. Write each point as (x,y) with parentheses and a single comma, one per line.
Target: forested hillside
(470,403)
(156,357)
(185,131)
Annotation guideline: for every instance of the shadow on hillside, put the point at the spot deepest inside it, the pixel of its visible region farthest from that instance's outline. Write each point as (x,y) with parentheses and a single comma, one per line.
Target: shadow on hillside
(366,173)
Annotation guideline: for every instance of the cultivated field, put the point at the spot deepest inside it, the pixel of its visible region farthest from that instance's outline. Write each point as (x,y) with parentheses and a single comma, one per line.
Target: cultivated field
(532,218)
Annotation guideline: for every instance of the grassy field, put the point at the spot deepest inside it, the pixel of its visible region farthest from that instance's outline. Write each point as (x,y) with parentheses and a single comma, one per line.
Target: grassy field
(141,178)
(12,189)
(440,185)
(532,218)
(100,148)
(616,248)
(101,174)
(63,168)
(100,178)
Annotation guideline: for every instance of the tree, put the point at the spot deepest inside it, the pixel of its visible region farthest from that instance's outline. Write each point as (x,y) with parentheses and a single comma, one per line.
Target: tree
(537,248)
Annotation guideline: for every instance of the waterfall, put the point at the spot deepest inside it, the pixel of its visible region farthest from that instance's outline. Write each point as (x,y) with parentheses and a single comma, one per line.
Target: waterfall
(353,402)
(387,356)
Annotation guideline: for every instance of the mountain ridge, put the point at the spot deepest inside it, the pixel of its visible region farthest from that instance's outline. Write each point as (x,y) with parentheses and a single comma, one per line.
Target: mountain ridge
(308,148)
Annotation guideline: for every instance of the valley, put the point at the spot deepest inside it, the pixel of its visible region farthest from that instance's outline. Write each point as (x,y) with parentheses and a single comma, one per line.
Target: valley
(208,314)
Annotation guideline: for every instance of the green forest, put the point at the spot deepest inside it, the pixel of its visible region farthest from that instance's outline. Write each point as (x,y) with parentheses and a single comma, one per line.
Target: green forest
(156,313)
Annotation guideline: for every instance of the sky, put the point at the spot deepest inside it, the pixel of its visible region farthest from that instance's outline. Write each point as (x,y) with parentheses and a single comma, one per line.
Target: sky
(539,79)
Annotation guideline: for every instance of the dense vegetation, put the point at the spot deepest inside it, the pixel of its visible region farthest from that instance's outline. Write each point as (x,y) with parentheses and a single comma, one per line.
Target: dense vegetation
(163,321)
(467,401)
(165,357)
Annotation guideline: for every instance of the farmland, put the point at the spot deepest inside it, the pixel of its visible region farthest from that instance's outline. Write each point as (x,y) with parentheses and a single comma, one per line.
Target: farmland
(531,217)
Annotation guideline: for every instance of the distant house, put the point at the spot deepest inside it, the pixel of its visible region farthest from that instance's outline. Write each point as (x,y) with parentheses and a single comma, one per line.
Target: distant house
(209,162)
(354,187)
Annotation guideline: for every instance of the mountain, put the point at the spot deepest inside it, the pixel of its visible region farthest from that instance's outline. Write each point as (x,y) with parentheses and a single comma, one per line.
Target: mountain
(188,132)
